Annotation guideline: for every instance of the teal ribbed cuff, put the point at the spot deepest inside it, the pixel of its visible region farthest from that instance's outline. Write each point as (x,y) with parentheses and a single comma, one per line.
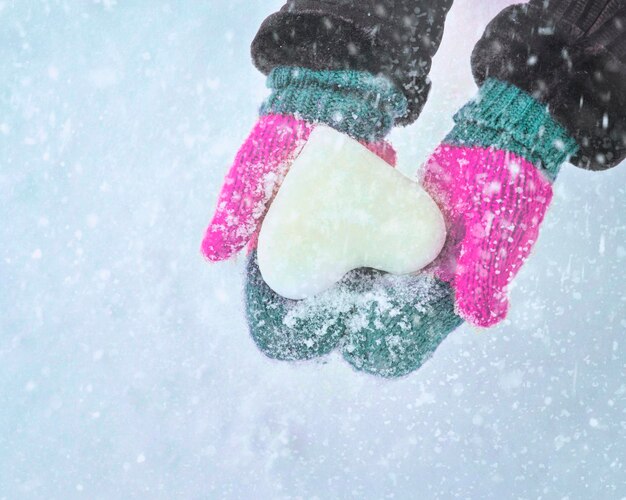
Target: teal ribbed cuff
(507,118)
(357,103)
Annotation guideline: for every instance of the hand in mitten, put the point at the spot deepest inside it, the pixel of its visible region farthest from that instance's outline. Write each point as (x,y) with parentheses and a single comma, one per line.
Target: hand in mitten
(356,103)
(492,177)
(552,89)
(493,174)
(362,106)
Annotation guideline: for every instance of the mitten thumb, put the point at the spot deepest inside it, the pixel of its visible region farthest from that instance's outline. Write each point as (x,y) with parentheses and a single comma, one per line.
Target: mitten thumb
(251,183)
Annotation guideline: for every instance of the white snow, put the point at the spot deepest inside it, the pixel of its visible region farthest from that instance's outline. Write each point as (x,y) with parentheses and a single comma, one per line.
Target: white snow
(125,367)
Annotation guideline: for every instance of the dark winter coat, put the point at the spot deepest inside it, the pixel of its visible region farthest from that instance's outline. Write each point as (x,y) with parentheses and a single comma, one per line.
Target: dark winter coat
(569,54)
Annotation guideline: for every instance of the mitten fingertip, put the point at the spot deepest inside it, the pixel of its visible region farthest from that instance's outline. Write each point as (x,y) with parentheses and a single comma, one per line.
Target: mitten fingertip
(214,248)
(480,305)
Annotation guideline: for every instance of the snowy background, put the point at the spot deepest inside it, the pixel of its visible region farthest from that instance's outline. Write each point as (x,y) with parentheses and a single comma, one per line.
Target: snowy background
(125,366)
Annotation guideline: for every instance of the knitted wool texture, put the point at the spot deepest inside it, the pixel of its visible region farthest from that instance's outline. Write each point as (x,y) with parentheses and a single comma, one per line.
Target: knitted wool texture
(356,103)
(492,178)
(300,98)
(390,330)
(253,179)
(386,325)
(290,330)
(391,333)
(398,322)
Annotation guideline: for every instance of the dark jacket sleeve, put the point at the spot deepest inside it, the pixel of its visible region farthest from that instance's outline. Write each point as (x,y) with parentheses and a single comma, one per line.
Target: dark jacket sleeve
(395,38)
(570,55)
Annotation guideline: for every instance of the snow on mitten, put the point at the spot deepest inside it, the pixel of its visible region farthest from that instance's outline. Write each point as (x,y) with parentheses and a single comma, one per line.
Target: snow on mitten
(290,330)
(398,322)
(356,103)
(492,177)
(300,98)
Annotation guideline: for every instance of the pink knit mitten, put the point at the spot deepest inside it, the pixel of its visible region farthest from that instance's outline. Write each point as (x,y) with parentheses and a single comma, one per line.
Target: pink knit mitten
(356,103)
(493,177)
(254,178)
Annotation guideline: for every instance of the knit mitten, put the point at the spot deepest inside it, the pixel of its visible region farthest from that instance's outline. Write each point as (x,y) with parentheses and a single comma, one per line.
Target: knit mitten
(356,103)
(296,330)
(398,322)
(492,178)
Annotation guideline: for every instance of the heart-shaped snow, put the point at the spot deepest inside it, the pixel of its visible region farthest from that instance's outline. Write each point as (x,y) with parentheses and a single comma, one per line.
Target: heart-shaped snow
(339,208)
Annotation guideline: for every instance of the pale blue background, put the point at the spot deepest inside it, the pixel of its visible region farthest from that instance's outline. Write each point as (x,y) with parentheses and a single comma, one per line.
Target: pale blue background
(125,366)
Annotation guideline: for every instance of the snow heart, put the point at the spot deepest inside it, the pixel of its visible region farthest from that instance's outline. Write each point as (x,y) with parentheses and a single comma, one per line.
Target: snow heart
(340,208)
